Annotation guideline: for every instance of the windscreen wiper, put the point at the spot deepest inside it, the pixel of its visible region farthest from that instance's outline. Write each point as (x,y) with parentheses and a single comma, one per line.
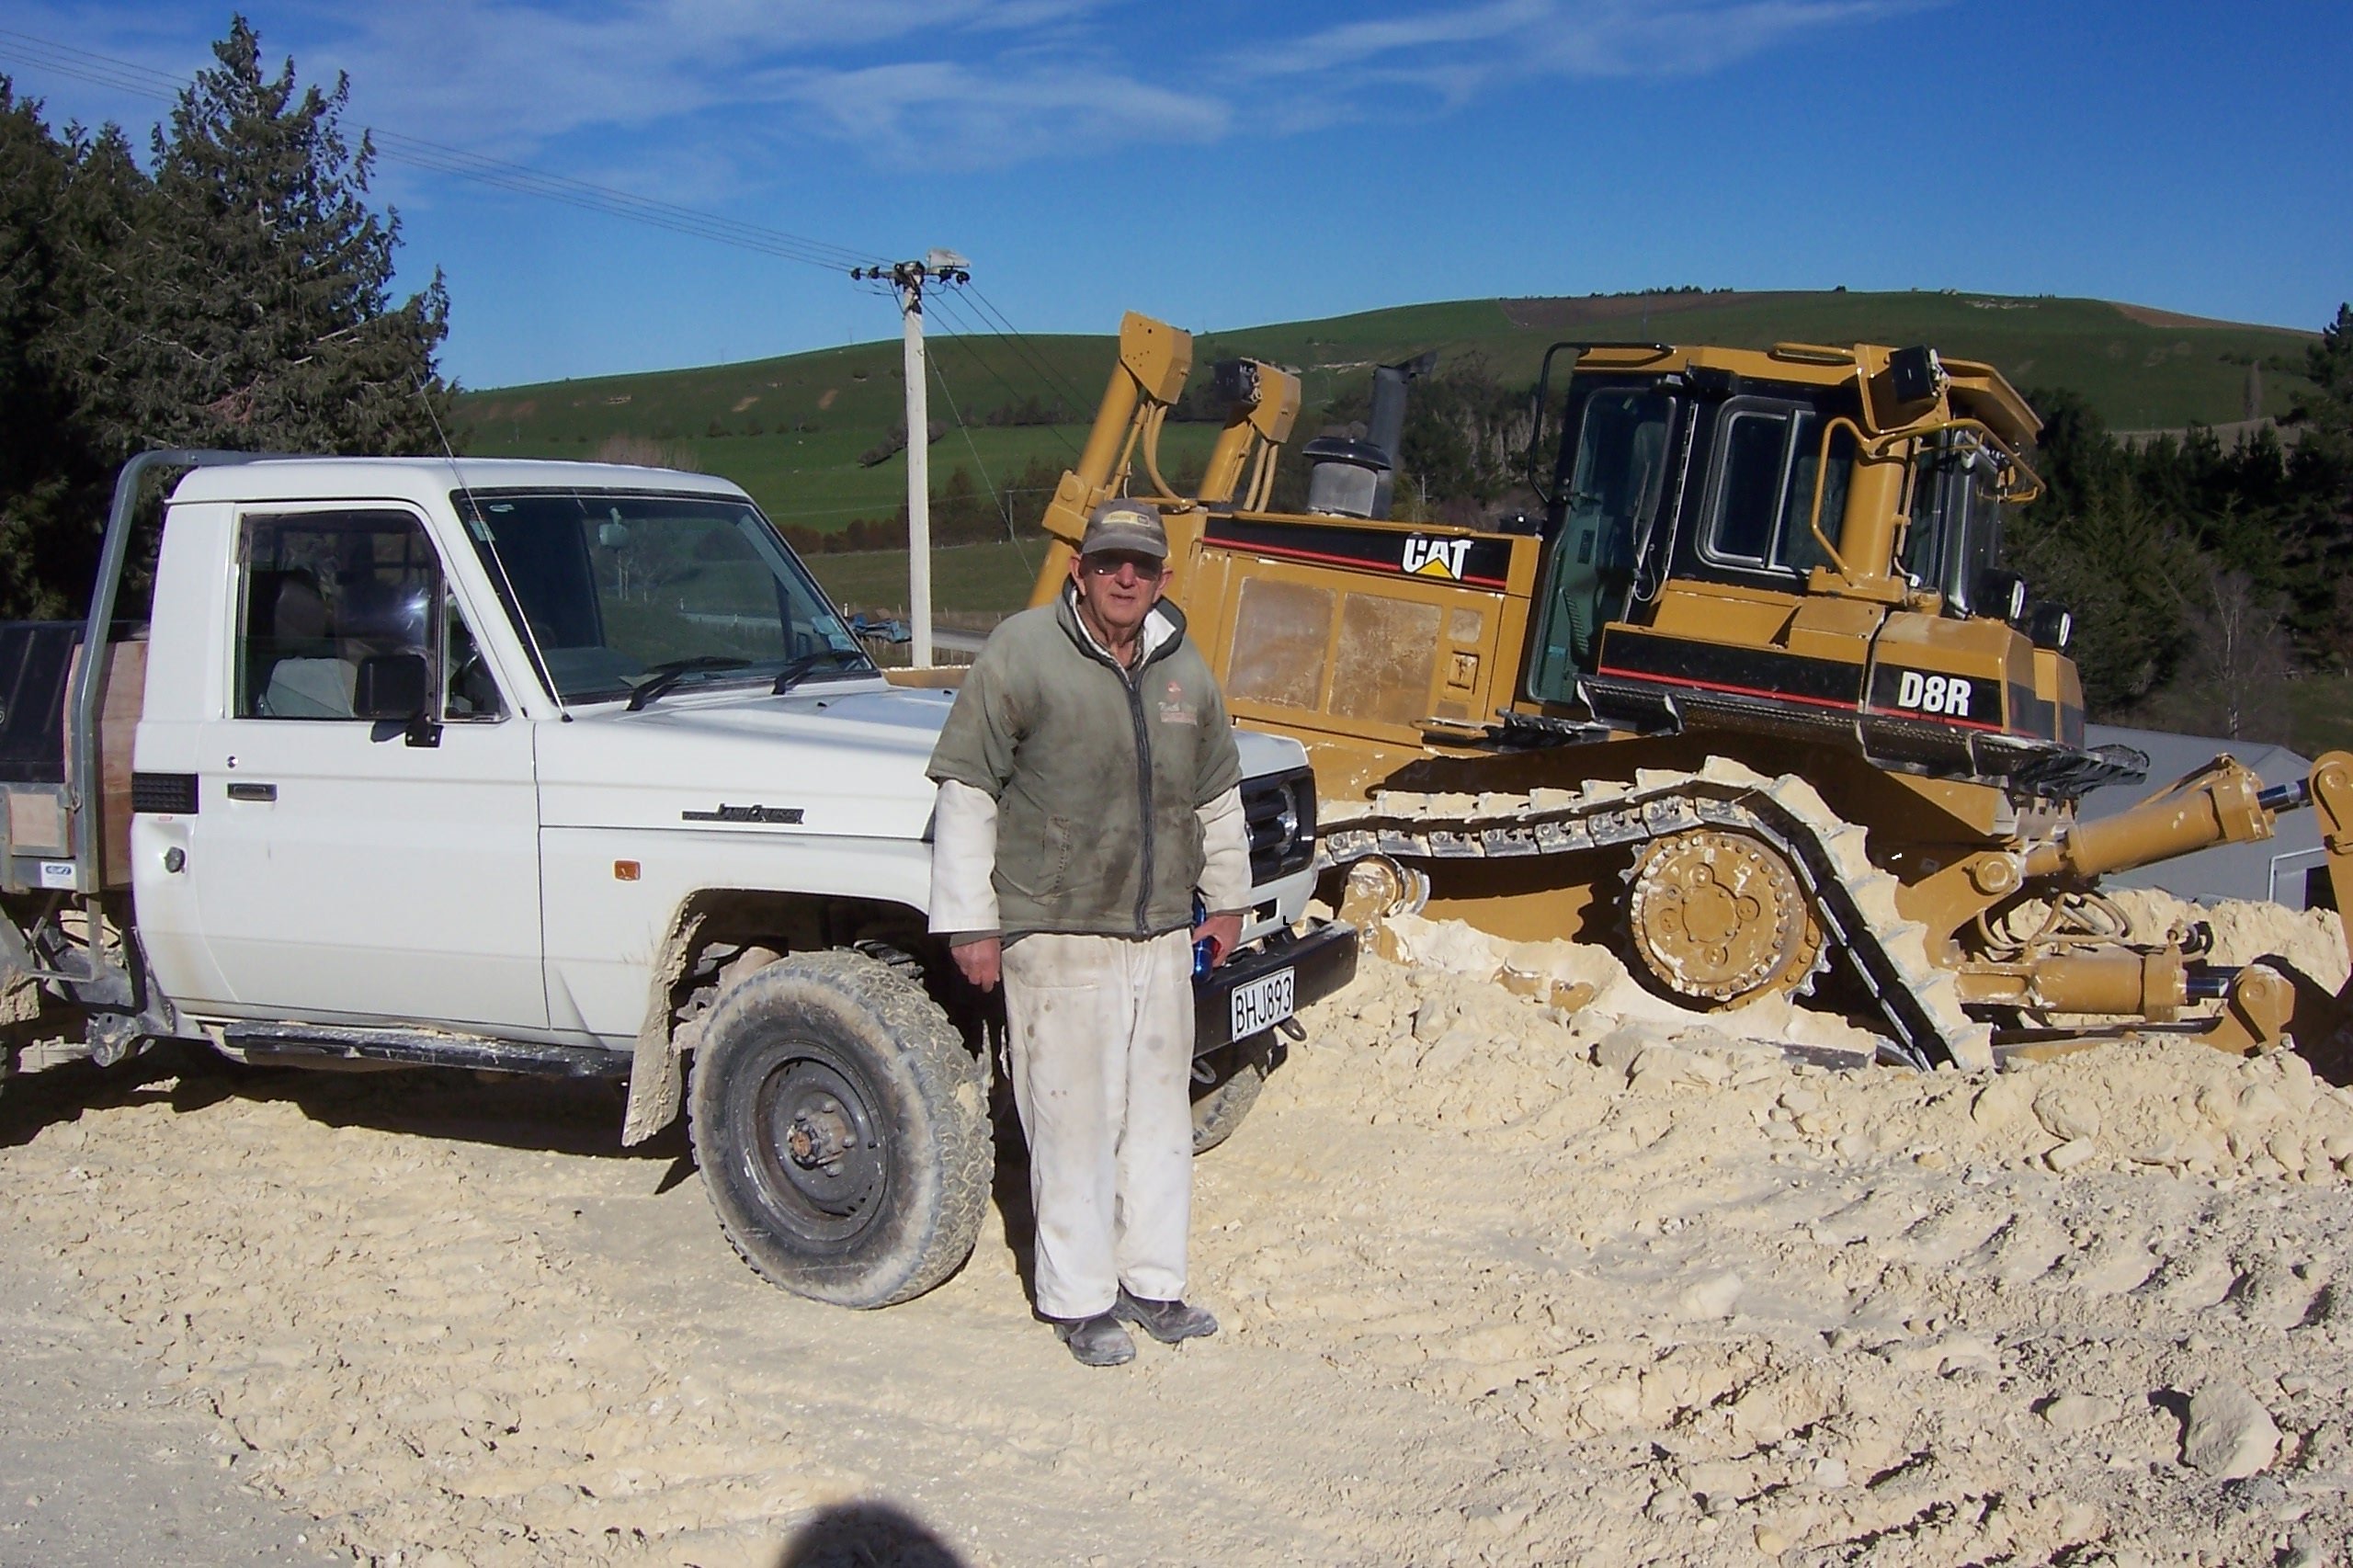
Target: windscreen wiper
(808,664)
(665,675)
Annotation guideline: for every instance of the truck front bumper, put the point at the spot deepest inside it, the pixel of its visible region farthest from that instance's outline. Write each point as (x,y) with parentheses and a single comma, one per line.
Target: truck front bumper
(1261,986)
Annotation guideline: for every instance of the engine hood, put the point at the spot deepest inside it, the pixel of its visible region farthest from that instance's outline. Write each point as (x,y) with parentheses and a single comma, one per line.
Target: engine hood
(839,759)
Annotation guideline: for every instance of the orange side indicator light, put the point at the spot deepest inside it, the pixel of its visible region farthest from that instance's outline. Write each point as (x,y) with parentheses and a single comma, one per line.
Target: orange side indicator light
(625,871)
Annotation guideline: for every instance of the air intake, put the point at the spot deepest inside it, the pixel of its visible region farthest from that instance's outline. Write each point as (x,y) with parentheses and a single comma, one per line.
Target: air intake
(1348,477)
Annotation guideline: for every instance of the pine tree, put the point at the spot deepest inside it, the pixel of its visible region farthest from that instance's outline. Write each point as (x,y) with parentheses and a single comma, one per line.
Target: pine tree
(239,295)
(2319,518)
(242,297)
(50,469)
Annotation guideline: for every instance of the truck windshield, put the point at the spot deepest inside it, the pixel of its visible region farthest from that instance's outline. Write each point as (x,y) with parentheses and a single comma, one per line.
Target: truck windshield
(611,591)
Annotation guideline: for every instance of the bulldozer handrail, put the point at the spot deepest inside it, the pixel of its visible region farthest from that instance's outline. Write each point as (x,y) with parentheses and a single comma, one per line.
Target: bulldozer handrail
(1820,475)
(1881,445)
(1155,415)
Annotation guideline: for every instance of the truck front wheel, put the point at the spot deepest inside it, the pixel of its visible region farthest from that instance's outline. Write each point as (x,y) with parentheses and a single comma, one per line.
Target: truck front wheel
(1237,1072)
(842,1130)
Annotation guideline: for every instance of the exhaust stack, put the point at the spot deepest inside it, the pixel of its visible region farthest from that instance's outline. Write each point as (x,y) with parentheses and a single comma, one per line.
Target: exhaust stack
(1348,477)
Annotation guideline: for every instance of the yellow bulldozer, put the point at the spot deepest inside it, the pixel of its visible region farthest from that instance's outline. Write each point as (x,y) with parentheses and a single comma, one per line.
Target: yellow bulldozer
(1751,700)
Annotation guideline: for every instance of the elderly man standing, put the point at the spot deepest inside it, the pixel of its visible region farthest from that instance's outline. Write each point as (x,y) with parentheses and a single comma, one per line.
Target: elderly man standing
(1089,790)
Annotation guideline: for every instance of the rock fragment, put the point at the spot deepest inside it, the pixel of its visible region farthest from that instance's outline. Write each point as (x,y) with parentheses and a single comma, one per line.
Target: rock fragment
(2074,1413)
(2229,1435)
(1713,1297)
(2067,1114)
(2072,1153)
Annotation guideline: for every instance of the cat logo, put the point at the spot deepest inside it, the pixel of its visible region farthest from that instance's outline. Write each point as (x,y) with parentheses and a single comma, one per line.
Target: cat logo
(1436,557)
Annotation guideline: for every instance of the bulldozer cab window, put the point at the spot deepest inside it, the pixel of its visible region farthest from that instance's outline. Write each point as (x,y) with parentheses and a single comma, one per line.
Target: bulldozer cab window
(1612,472)
(1760,506)
(1956,530)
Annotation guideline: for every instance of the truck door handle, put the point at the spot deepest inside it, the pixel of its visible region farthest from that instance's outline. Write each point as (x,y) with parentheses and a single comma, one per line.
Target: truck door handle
(253,792)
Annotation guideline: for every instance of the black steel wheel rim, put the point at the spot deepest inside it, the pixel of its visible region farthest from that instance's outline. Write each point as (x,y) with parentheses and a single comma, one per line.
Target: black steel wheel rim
(816,1145)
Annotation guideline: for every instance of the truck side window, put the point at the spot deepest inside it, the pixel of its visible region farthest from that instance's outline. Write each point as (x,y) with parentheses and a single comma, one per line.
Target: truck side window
(323,591)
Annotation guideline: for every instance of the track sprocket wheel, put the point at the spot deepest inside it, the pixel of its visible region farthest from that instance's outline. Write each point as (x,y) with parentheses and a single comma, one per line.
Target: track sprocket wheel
(1718,919)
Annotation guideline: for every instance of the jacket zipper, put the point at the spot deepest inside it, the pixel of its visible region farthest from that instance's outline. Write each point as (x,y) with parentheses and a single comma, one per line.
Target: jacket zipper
(1143,794)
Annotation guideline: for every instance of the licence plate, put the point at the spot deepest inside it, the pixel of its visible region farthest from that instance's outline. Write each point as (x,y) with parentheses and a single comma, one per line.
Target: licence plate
(1262,1004)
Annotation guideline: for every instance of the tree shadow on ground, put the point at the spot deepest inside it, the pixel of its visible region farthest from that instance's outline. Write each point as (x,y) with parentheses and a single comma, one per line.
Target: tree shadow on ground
(866,1535)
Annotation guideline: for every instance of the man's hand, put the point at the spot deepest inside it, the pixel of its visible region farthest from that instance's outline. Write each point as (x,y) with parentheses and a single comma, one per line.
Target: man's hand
(1224,929)
(982,961)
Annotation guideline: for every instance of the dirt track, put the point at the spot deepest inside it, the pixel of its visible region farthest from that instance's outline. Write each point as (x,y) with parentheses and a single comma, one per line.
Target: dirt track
(1499,1287)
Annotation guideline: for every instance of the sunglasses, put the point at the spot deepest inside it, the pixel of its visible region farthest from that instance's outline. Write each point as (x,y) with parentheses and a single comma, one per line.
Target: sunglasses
(1109,565)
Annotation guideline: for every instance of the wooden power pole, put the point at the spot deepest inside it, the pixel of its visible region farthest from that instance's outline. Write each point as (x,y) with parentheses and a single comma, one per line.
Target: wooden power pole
(907,279)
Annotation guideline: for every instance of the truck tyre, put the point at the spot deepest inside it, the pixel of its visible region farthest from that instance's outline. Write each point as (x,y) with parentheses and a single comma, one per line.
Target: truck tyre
(842,1130)
(1219,1105)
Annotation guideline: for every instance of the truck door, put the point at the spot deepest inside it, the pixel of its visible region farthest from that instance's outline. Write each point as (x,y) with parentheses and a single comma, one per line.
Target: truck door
(355,869)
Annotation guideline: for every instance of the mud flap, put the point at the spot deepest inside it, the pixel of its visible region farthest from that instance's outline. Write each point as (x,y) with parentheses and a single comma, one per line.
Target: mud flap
(657,1085)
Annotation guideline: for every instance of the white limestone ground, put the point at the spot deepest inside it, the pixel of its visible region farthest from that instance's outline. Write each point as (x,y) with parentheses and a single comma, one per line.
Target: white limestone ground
(1501,1284)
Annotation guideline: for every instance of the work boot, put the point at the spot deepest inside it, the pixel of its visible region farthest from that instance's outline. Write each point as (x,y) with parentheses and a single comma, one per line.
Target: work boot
(1098,1341)
(1168,1321)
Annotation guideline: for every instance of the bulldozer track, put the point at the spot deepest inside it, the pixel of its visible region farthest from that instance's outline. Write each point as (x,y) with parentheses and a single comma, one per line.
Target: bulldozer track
(1854,900)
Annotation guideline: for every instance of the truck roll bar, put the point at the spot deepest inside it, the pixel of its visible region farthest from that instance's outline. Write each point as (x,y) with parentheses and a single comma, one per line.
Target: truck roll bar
(83,789)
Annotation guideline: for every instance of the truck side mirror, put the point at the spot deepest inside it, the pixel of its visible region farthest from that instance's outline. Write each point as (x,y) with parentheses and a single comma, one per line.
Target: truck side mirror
(397,689)
(390,686)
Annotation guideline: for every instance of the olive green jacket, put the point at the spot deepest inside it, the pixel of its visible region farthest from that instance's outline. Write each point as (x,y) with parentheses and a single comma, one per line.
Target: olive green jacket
(1098,773)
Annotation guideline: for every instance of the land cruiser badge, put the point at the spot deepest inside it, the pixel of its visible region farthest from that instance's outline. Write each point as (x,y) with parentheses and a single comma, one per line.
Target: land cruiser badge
(787,816)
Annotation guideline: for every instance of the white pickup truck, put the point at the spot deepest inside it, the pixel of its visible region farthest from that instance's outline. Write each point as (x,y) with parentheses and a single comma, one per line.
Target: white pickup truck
(547,767)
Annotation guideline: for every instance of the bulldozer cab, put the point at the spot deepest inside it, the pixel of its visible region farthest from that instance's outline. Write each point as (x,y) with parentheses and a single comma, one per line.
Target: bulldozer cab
(1678,477)
(1721,492)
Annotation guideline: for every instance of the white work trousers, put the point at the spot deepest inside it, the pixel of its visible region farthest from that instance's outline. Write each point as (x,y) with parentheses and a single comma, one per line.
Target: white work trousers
(1101,1040)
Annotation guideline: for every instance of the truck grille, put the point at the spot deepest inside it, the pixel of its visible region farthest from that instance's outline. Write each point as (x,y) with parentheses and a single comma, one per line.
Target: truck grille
(1279,809)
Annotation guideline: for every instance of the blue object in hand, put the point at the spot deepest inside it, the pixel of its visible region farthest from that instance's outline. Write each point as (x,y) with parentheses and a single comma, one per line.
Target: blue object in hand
(1205,949)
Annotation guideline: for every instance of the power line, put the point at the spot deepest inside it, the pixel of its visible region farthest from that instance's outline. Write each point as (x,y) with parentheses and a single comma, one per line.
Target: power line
(1005,328)
(1056,385)
(1004,508)
(141,81)
(964,339)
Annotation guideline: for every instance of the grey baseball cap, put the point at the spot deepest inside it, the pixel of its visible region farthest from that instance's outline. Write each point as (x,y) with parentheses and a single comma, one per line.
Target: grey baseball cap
(1125,525)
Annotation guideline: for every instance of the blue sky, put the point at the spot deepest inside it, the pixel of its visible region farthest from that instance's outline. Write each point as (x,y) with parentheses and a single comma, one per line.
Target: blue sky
(1220,164)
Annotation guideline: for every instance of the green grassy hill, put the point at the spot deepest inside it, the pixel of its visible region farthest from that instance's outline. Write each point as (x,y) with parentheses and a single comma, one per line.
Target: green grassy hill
(792,430)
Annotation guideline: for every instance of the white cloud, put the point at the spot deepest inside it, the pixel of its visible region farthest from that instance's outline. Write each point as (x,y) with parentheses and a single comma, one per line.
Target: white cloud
(1452,54)
(944,114)
(961,83)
